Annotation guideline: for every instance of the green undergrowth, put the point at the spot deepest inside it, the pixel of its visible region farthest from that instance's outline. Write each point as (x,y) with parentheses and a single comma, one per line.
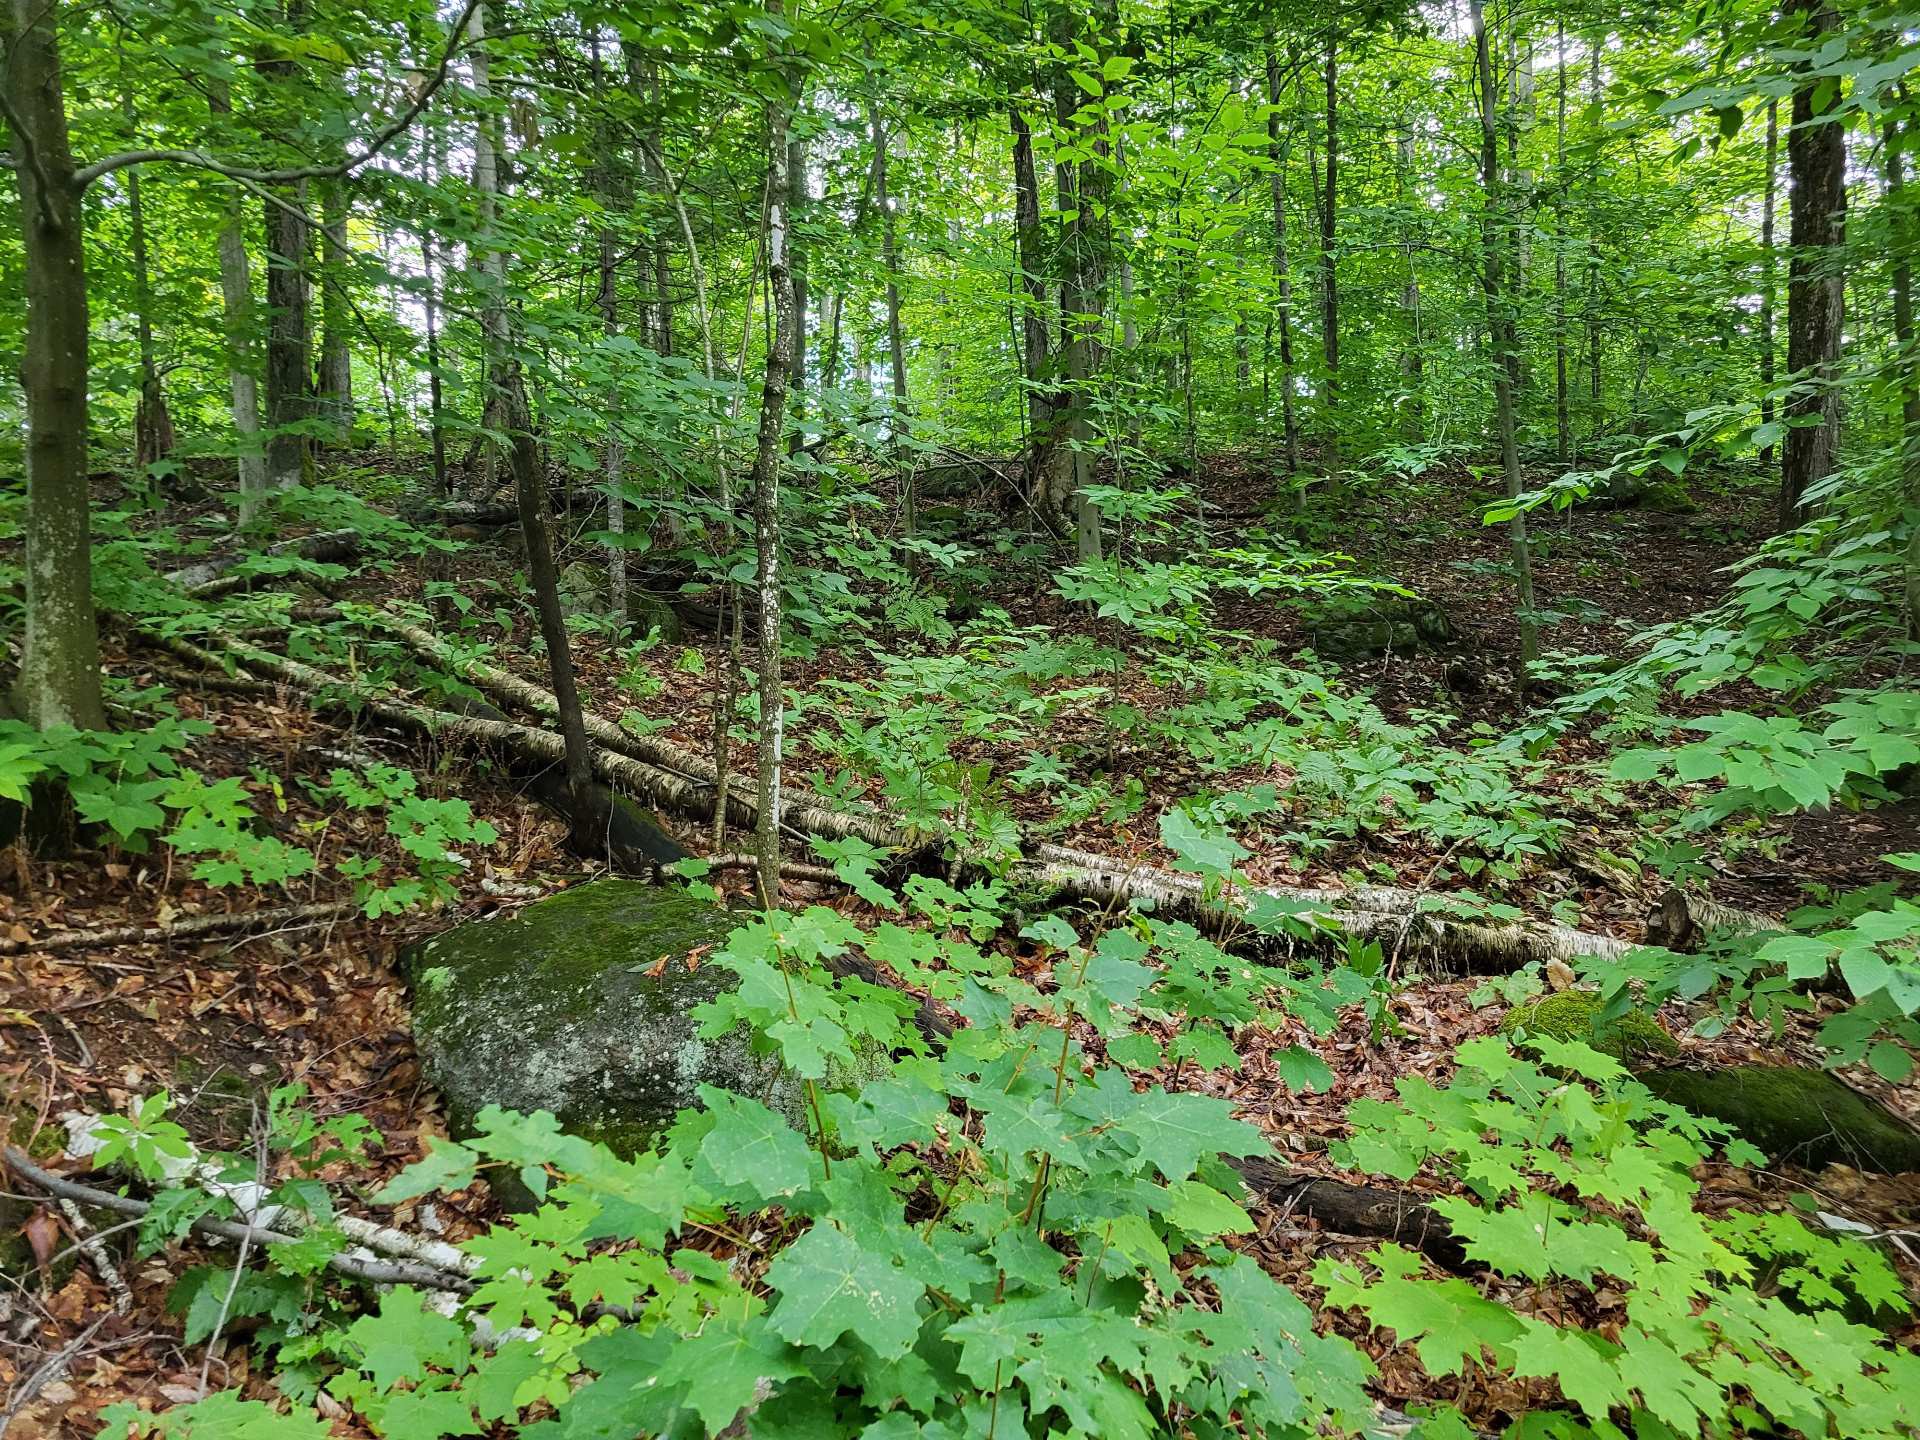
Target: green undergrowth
(1021,1229)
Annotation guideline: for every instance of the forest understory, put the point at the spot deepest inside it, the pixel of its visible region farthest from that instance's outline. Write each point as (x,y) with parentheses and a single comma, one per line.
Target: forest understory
(320,1000)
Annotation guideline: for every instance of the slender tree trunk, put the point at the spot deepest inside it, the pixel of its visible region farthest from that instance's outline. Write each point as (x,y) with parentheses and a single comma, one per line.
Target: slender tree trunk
(1562,409)
(1082,195)
(288,387)
(1769,267)
(798,207)
(896,341)
(1896,138)
(236,297)
(1413,358)
(1816,276)
(432,161)
(153,425)
(1596,378)
(615,196)
(336,322)
(289,376)
(1282,272)
(1036,362)
(59,680)
(1329,261)
(1500,328)
(766,489)
(488,263)
(523,452)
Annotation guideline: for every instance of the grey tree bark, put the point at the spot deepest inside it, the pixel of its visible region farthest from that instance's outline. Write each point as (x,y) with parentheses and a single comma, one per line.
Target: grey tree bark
(59,681)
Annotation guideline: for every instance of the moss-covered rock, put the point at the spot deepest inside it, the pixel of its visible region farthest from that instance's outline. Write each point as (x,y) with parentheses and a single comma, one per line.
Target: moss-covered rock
(1397,624)
(1795,1114)
(580,1005)
(1575,1015)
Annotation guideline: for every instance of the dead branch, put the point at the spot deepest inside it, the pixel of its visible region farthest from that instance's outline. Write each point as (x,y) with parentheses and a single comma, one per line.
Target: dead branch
(370,1270)
(189,927)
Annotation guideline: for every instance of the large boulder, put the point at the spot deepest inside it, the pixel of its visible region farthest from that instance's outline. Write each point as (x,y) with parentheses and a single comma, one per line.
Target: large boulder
(581,1005)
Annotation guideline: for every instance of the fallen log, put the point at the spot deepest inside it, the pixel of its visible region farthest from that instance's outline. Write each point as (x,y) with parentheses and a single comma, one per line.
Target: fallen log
(210,578)
(1407,922)
(1402,921)
(1349,1209)
(801,810)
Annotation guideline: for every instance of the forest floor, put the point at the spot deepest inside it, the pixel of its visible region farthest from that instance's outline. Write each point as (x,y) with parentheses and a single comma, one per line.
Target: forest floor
(217,1023)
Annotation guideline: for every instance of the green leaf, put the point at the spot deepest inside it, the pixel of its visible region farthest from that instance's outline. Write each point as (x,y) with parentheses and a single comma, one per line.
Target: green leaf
(445,1167)
(1204,1212)
(751,1147)
(726,1367)
(828,1285)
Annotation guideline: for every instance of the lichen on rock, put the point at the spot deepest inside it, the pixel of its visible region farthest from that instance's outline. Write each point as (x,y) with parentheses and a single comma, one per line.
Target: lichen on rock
(1575,1015)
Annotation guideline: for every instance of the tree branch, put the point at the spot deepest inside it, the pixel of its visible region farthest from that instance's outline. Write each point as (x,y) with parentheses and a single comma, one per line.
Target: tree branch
(199,159)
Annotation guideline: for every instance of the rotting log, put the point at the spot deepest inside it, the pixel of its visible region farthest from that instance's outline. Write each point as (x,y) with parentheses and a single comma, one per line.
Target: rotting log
(1403,922)
(800,809)
(211,578)
(1682,920)
(1344,1208)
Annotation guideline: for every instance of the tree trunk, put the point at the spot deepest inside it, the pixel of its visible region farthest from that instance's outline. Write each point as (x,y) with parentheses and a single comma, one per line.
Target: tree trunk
(896,340)
(1816,275)
(1082,191)
(615,195)
(1329,264)
(288,391)
(1500,330)
(1562,409)
(336,341)
(1906,238)
(1282,272)
(1413,358)
(430,164)
(236,298)
(59,680)
(1769,266)
(489,264)
(152,426)
(766,487)
(798,206)
(1036,362)
(1595,375)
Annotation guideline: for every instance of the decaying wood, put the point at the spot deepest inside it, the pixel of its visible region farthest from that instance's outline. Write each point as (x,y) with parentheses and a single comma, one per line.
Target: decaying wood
(187,927)
(1403,921)
(1683,919)
(694,771)
(1350,1209)
(210,578)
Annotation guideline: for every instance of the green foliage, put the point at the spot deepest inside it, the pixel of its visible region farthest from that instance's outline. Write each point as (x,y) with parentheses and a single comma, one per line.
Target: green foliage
(1585,1182)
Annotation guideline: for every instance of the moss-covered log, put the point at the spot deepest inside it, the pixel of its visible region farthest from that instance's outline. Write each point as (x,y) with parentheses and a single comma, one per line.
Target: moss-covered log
(1796,1114)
